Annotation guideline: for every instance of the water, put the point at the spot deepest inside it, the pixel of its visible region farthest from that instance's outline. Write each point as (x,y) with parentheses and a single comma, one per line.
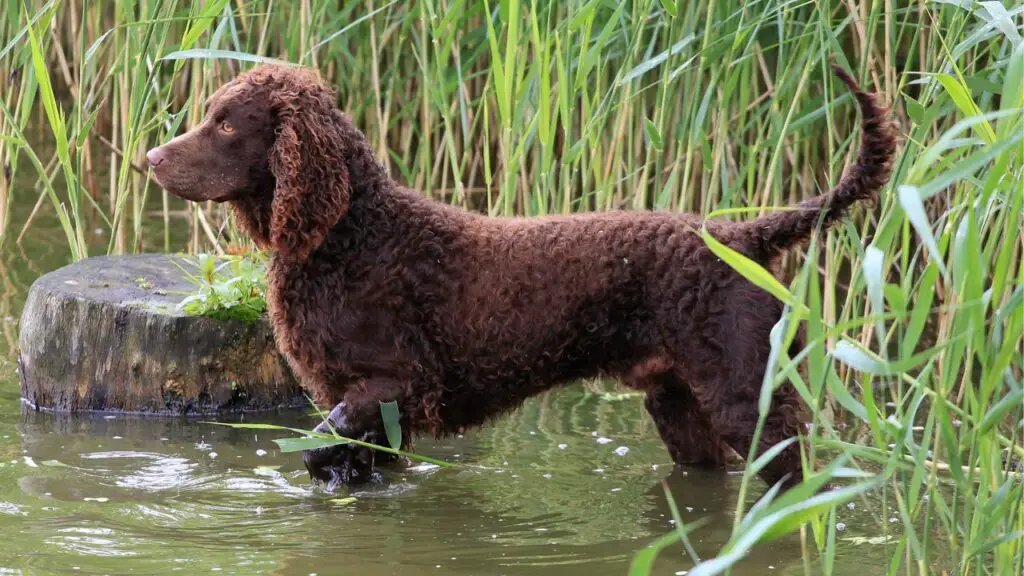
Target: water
(540,492)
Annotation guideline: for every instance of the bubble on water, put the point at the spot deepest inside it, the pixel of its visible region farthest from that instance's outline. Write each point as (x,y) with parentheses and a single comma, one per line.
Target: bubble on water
(563,446)
(851,505)
(598,470)
(682,572)
(840,526)
(547,476)
(603,440)
(532,433)
(622,451)
(110,417)
(615,490)
(893,520)
(201,445)
(654,467)
(100,499)
(212,455)
(689,508)
(261,452)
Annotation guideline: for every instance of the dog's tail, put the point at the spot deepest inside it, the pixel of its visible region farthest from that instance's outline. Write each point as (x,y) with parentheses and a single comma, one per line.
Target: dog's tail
(779,231)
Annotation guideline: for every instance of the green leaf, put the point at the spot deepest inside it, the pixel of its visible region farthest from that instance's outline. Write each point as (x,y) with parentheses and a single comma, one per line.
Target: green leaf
(586,11)
(208,54)
(592,56)
(998,412)
(910,199)
(983,547)
(894,296)
(301,444)
(1013,83)
(843,396)
(643,561)
(914,109)
(670,7)
(338,439)
(777,524)
(392,423)
(922,307)
(656,60)
(962,98)
(769,455)
(201,23)
(749,269)
(83,135)
(343,501)
(348,27)
(652,134)
(874,277)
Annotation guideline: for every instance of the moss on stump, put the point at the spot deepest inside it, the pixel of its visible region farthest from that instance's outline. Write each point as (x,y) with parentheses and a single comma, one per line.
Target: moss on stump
(105,334)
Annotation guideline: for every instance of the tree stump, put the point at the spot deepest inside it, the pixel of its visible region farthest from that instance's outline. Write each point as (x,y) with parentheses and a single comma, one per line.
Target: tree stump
(105,335)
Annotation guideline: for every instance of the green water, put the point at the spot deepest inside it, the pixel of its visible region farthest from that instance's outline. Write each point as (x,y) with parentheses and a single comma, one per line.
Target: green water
(541,492)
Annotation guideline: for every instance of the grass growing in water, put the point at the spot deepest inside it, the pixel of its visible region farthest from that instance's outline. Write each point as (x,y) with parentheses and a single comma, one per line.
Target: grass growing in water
(914,311)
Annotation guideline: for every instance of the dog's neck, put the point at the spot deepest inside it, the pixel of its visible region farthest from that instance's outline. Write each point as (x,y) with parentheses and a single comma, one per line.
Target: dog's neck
(253,215)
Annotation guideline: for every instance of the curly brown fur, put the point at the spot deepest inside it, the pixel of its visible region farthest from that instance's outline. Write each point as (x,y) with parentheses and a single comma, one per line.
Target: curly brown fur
(378,294)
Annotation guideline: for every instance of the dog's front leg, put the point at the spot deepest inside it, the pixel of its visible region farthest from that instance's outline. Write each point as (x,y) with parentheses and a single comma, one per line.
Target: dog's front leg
(357,417)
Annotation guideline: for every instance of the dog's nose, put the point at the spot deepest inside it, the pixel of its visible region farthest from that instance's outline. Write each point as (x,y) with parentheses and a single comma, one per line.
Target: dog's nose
(155,157)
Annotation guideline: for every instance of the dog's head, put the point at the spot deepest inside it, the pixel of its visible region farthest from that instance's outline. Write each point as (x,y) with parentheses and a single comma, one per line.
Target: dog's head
(275,134)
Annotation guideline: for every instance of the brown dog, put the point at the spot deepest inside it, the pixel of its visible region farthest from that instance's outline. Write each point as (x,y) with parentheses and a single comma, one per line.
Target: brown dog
(378,294)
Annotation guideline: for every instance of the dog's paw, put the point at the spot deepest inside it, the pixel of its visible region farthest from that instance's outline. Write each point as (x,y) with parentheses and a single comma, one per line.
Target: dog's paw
(344,464)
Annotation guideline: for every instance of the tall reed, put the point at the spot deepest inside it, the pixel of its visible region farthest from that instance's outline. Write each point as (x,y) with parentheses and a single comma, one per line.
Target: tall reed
(913,311)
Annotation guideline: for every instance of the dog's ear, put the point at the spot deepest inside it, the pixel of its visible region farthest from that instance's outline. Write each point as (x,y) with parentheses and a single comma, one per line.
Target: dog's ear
(308,161)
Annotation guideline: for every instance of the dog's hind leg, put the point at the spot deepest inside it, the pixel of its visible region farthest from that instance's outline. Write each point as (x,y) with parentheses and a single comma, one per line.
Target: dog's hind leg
(686,431)
(730,362)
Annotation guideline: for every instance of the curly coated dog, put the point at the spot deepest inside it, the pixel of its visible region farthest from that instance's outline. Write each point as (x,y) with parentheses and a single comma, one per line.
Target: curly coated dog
(378,294)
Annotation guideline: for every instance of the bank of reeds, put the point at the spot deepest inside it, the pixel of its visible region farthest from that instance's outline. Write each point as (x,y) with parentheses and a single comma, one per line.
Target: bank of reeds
(914,310)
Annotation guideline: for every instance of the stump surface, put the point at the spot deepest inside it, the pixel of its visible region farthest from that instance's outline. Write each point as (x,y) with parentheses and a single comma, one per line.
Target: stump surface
(105,334)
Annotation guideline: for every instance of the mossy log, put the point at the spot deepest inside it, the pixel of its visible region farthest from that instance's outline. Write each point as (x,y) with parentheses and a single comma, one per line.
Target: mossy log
(105,334)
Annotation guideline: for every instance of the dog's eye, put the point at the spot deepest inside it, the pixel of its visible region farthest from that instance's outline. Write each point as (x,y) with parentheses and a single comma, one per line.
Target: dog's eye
(226,127)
